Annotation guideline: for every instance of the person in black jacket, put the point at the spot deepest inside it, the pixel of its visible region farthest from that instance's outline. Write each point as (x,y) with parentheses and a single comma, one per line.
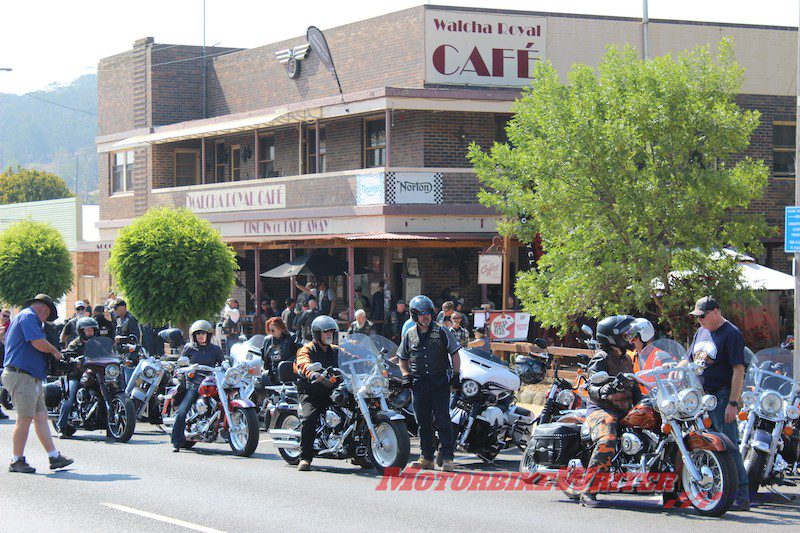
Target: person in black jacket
(303,322)
(106,327)
(376,306)
(393,328)
(200,351)
(279,346)
(87,328)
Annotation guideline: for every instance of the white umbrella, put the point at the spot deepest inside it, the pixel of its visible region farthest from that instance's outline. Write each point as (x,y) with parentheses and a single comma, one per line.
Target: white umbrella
(759,277)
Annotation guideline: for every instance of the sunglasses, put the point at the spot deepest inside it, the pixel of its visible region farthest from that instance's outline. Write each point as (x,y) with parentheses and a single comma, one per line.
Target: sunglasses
(423,313)
(6,316)
(80,309)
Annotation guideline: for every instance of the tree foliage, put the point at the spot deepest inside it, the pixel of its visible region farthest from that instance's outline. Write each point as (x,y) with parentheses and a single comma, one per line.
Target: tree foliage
(630,173)
(33,259)
(28,185)
(172,267)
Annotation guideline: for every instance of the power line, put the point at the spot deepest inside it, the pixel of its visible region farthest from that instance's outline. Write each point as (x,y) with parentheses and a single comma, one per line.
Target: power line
(62,105)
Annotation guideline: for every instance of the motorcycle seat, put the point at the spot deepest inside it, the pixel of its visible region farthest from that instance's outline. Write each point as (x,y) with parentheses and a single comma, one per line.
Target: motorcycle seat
(522,411)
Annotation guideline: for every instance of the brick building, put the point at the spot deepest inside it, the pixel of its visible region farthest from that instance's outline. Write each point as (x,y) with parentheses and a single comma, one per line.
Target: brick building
(282,165)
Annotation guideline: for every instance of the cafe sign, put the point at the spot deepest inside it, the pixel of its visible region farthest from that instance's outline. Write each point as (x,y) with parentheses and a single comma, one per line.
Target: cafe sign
(467,48)
(244,199)
(490,269)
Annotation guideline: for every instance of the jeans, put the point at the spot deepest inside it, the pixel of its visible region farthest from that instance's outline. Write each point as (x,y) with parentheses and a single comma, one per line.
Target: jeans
(731,431)
(311,406)
(69,403)
(180,417)
(431,400)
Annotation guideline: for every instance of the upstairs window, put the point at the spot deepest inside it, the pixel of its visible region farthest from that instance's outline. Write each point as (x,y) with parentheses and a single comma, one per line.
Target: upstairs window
(266,156)
(220,158)
(783,146)
(311,150)
(122,171)
(187,167)
(236,163)
(374,143)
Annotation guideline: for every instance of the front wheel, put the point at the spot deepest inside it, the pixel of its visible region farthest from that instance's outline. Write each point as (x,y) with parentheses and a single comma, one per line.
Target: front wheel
(244,431)
(289,421)
(393,446)
(714,495)
(121,418)
(754,462)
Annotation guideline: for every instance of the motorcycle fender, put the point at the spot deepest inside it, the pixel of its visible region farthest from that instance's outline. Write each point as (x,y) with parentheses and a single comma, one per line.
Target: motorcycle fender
(392,415)
(242,403)
(492,415)
(458,416)
(708,440)
(761,440)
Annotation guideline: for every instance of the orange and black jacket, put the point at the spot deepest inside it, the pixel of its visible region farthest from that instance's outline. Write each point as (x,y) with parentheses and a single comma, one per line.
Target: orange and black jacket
(311,353)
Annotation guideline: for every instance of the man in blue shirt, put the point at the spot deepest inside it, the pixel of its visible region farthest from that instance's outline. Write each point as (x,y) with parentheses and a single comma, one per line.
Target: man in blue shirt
(25,369)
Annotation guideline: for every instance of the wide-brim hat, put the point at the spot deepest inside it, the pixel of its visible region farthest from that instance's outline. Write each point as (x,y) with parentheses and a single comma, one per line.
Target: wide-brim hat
(45,299)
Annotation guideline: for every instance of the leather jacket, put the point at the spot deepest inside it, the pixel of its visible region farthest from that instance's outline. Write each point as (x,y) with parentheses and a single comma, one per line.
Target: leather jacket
(613,401)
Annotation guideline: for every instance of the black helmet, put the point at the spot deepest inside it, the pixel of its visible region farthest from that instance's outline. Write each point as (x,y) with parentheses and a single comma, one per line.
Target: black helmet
(420,304)
(84,323)
(611,331)
(324,323)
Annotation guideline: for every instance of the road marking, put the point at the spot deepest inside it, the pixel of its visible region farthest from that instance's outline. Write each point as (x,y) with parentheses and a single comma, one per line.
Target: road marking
(162,518)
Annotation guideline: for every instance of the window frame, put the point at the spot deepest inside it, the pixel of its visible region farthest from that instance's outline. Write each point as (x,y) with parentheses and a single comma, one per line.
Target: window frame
(219,177)
(783,149)
(311,135)
(261,158)
(237,166)
(196,166)
(127,171)
(367,149)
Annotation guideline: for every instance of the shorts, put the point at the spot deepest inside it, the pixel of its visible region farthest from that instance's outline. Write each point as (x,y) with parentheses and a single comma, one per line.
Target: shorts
(27,393)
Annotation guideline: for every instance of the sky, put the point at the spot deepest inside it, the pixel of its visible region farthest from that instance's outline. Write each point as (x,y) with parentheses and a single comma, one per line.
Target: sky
(49,42)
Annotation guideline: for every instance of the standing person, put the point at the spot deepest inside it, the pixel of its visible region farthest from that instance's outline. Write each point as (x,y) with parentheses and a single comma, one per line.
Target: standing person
(87,328)
(200,350)
(326,299)
(125,324)
(480,342)
(70,332)
(361,301)
(306,291)
(5,321)
(25,370)
(110,301)
(306,318)
(425,354)
(315,396)
(720,346)
(459,332)
(106,328)
(289,315)
(443,318)
(377,307)
(464,316)
(265,311)
(393,328)
(231,324)
(360,324)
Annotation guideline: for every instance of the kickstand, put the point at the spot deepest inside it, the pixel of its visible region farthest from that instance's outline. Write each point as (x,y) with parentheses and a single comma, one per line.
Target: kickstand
(164,431)
(791,498)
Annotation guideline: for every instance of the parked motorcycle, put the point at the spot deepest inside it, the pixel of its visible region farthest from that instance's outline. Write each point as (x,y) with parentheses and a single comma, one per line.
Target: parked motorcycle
(664,435)
(484,417)
(359,425)
(148,382)
(399,397)
(219,414)
(100,402)
(769,436)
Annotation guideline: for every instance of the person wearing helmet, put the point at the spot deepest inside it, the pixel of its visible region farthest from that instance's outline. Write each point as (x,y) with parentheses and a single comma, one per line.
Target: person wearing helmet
(393,327)
(200,351)
(607,404)
(425,354)
(314,393)
(86,327)
(645,355)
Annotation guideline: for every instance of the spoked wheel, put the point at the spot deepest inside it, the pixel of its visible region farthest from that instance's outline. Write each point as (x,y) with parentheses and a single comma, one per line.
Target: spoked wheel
(121,418)
(289,421)
(244,431)
(392,447)
(714,494)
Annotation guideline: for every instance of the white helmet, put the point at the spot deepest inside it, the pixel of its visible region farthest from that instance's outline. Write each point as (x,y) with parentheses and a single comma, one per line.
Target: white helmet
(643,328)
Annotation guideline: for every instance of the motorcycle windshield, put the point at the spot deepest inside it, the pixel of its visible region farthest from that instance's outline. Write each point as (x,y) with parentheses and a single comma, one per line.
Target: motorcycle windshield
(100,350)
(772,370)
(672,347)
(358,363)
(382,343)
(665,382)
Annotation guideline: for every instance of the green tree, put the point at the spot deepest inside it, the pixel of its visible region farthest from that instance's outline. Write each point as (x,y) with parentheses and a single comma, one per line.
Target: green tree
(28,185)
(172,267)
(629,174)
(33,259)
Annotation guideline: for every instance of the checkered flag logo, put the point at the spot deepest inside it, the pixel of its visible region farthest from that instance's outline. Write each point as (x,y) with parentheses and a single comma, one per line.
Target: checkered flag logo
(390,188)
(438,188)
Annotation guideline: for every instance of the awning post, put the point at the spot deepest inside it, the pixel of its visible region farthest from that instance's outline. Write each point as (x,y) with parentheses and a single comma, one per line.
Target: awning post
(351,281)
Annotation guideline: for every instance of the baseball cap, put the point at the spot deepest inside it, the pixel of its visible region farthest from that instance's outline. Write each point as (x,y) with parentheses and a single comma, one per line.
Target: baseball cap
(120,302)
(80,303)
(704,305)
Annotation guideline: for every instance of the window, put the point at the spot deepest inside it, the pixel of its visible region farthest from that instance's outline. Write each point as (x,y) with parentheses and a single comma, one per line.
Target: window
(220,158)
(266,156)
(122,171)
(374,143)
(236,163)
(783,149)
(500,125)
(187,167)
(311,150)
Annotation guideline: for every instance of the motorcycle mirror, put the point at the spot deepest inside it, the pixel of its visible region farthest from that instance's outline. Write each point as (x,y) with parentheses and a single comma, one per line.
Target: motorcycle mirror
(540,343)
(583,358)
(587,330)
(599,377)
(242,338)
(183,361)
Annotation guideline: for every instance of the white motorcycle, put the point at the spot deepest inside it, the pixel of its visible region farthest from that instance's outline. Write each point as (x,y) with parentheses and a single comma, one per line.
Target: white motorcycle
(484,417)
(148,383)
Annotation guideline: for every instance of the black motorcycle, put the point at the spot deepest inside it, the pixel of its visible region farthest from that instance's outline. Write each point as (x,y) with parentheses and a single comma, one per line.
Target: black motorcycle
(100,402)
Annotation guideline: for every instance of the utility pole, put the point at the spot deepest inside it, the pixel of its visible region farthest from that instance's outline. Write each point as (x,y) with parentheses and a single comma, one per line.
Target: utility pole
(645,36)
(796,268)
(76,176)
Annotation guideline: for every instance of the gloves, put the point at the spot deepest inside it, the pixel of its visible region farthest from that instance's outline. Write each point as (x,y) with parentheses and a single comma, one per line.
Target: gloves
(408,381)
(606,390)
(315,377)
(455,380)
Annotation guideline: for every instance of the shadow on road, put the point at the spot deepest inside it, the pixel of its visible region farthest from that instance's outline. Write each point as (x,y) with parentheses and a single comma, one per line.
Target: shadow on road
(102,438)
(97,478)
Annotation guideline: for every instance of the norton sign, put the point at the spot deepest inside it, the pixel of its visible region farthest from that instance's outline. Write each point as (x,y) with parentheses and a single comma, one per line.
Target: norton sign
(463,48)
(250,198)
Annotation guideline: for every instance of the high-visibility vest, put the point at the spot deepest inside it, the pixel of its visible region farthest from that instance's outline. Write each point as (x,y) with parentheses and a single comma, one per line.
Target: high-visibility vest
(655,358)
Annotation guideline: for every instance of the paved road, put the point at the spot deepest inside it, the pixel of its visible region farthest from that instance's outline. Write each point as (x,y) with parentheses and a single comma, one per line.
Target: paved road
(143,486)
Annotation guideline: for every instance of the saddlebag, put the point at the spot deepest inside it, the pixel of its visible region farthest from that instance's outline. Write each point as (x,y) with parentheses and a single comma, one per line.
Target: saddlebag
(555,444)
(52,395)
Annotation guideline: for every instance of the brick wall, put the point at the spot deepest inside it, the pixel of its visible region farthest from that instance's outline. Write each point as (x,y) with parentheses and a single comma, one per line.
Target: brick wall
(439,269)
(115,94)
(448,136)
(408,138)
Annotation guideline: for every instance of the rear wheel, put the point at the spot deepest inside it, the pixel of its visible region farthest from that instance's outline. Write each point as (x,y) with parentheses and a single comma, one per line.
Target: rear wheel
(754,462)
(289,421)
(714,495)
(392,447)
(244,431)
(121,418)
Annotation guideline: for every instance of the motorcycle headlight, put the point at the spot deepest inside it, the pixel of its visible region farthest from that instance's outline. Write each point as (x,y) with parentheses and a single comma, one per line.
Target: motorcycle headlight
(688,401)
(770,403)
(709,402)
(233,376)
(668,407)
(565,397)
(376,385)
(112,372)
(748,398)
(792,412)
(470,388)
(149,372)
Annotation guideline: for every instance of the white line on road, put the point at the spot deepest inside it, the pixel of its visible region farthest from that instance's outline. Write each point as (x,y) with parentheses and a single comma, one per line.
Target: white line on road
(162,518)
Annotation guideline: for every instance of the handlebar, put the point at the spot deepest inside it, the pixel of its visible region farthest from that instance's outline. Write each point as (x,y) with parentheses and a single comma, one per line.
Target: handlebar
(197,368)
